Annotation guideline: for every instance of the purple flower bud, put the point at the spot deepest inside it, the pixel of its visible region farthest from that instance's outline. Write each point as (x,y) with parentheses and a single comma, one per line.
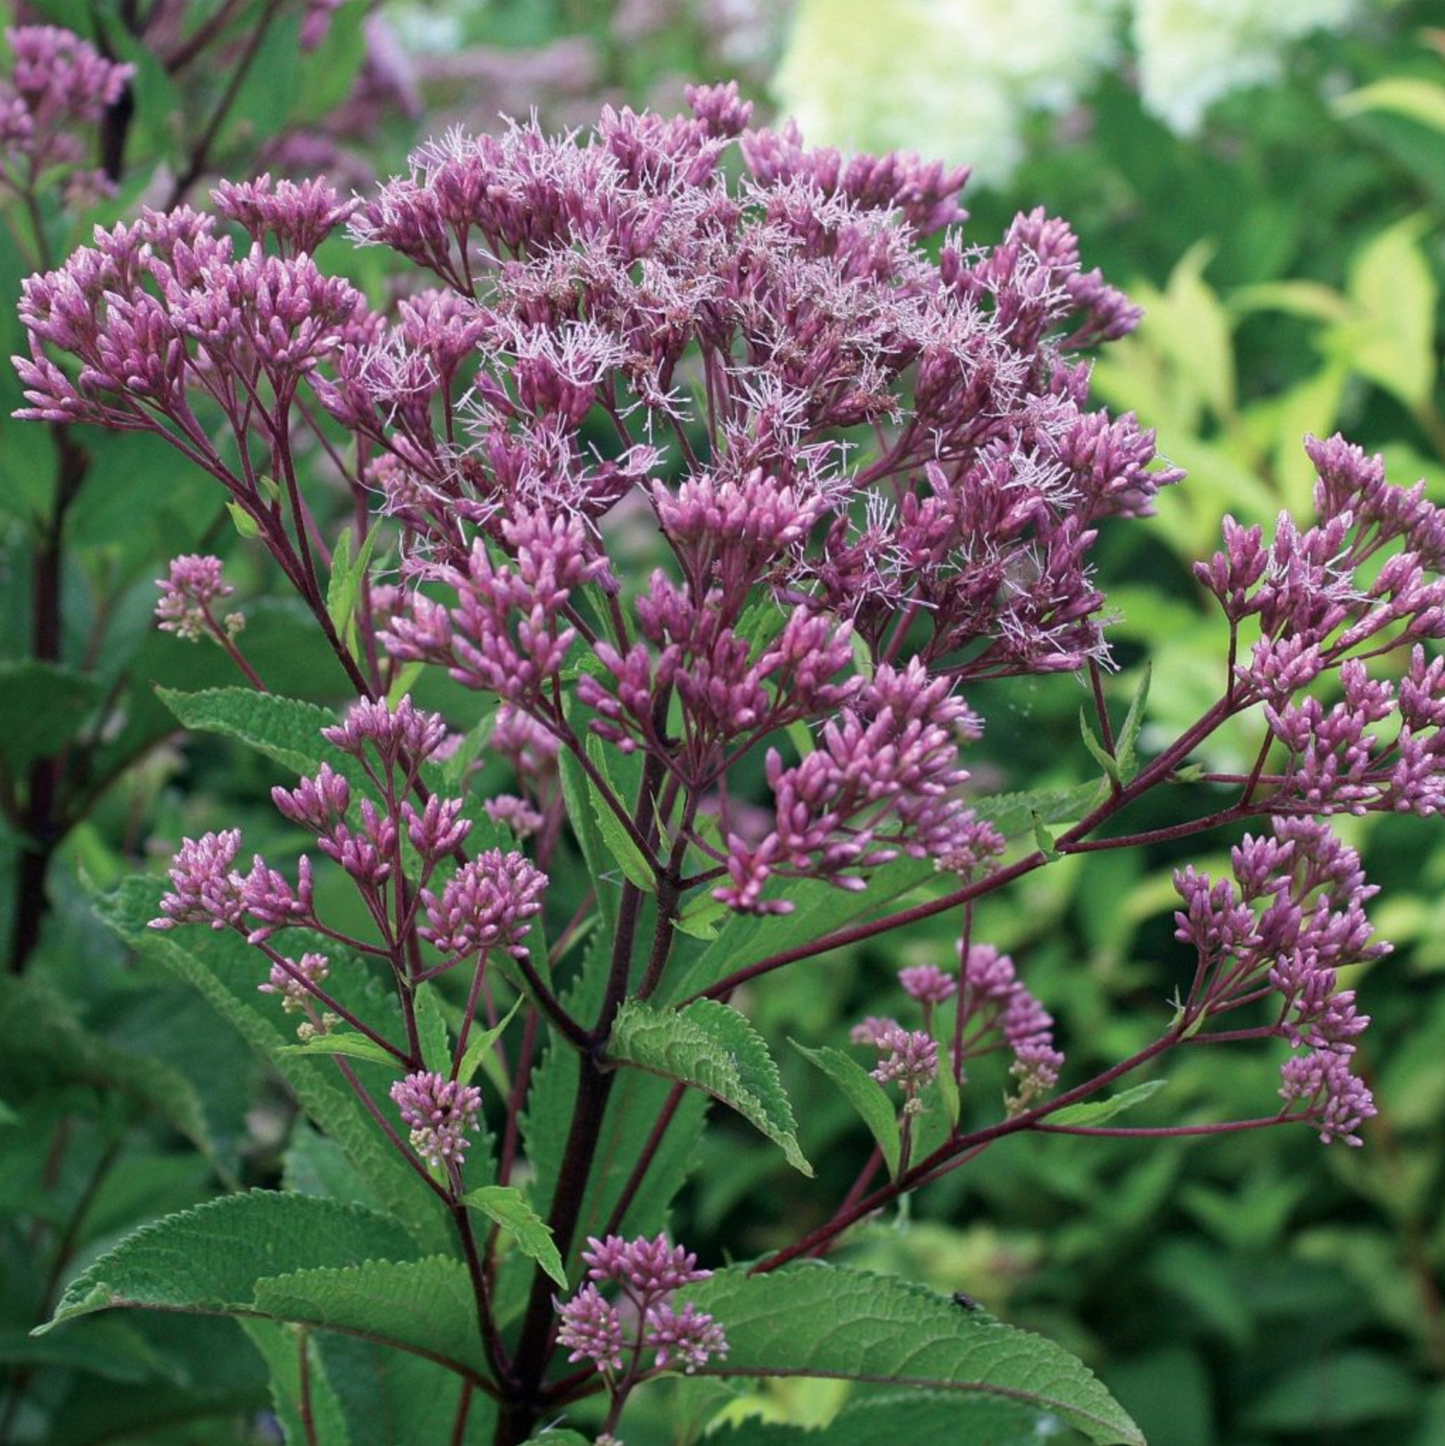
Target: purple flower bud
(288,983)
(591,1330)
(688,1337)
(206,889)
(485,905)
(440,1113)
(927,983)
(187,594)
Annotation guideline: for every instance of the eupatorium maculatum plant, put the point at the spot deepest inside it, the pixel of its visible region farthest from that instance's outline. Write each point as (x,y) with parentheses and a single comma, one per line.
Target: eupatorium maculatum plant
(723,478)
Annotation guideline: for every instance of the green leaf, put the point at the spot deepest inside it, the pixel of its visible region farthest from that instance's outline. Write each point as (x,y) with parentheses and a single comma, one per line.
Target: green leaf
(1417,100)
(478,1045)
(819,1320)
(1013,814)
(634,864)
(577,796)
(1329,1394)
(281,1347)
(431,1028)
(44,1046)
(282,728)
(226,970)
(1043,839)
(1394,292)
(1127,747)
(210,1259)
(922,1416)
(42,707)
(343,588)
(1094,1112)
(506,1207)
(353,1046)
(424,1306)
(246,525)
(1101,755)
(864,1093)
(711,1046)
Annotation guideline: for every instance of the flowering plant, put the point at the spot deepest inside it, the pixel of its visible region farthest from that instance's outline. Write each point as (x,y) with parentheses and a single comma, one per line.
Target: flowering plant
(859,452)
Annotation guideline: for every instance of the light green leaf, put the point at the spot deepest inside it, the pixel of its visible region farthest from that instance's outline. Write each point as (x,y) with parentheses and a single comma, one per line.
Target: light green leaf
(1094,1112)
(711,1046)
(1394,293)
(1100,754)
(343,588)
(703,918)
(246,525)
(1043,839)
(1127,746)
(281,1347)
(620,844)
(479,1044)
(7,1115)
(864,1093)
(508,1209)
(1417,100)
(819,1320)
(353,1046)
(210,1259)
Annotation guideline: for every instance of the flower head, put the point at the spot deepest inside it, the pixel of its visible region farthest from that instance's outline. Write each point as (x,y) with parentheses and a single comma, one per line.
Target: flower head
(441,1112)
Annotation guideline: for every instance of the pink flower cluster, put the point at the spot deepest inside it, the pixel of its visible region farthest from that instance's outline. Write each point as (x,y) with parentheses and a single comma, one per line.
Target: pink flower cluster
(1275,937)
(440,1113)
(647,1274)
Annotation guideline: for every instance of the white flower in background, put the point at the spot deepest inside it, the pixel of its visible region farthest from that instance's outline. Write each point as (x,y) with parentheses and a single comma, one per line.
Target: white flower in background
(1192,52)
(950,79)
(956,79)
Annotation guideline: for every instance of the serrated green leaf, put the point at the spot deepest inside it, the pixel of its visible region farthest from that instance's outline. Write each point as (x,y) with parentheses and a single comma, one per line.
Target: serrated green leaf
(431,1028)
(1094,1112)
(282,728)
(864,1093)
(577,796)
(210,1259)
(508,1209)
(921,1416)
(819,1320)
(619,843)
(1013,814)
(281,1347)
(479,1044)
(713,1047)
(353,1046)
(424,1306)
(703,918)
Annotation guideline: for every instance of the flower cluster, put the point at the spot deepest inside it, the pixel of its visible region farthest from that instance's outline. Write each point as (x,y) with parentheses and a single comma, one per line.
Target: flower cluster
(1276,935)
(440,1112)
(647,1273)
(187,593)
(487,902)
(59,86)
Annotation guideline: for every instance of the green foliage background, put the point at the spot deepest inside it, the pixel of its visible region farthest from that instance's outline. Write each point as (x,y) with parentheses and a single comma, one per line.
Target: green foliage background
(1244,1291)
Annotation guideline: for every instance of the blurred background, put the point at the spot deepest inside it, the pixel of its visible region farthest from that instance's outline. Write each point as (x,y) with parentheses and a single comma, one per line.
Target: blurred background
(1268,181)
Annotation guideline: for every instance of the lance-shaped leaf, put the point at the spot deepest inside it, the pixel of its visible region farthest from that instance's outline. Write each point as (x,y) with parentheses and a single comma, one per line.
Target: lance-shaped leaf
(713,1047)
(285,729)
(819,1320)
(506,1208)
(296,1258)
(866,1096)
(209,1259)
(1095,1112)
